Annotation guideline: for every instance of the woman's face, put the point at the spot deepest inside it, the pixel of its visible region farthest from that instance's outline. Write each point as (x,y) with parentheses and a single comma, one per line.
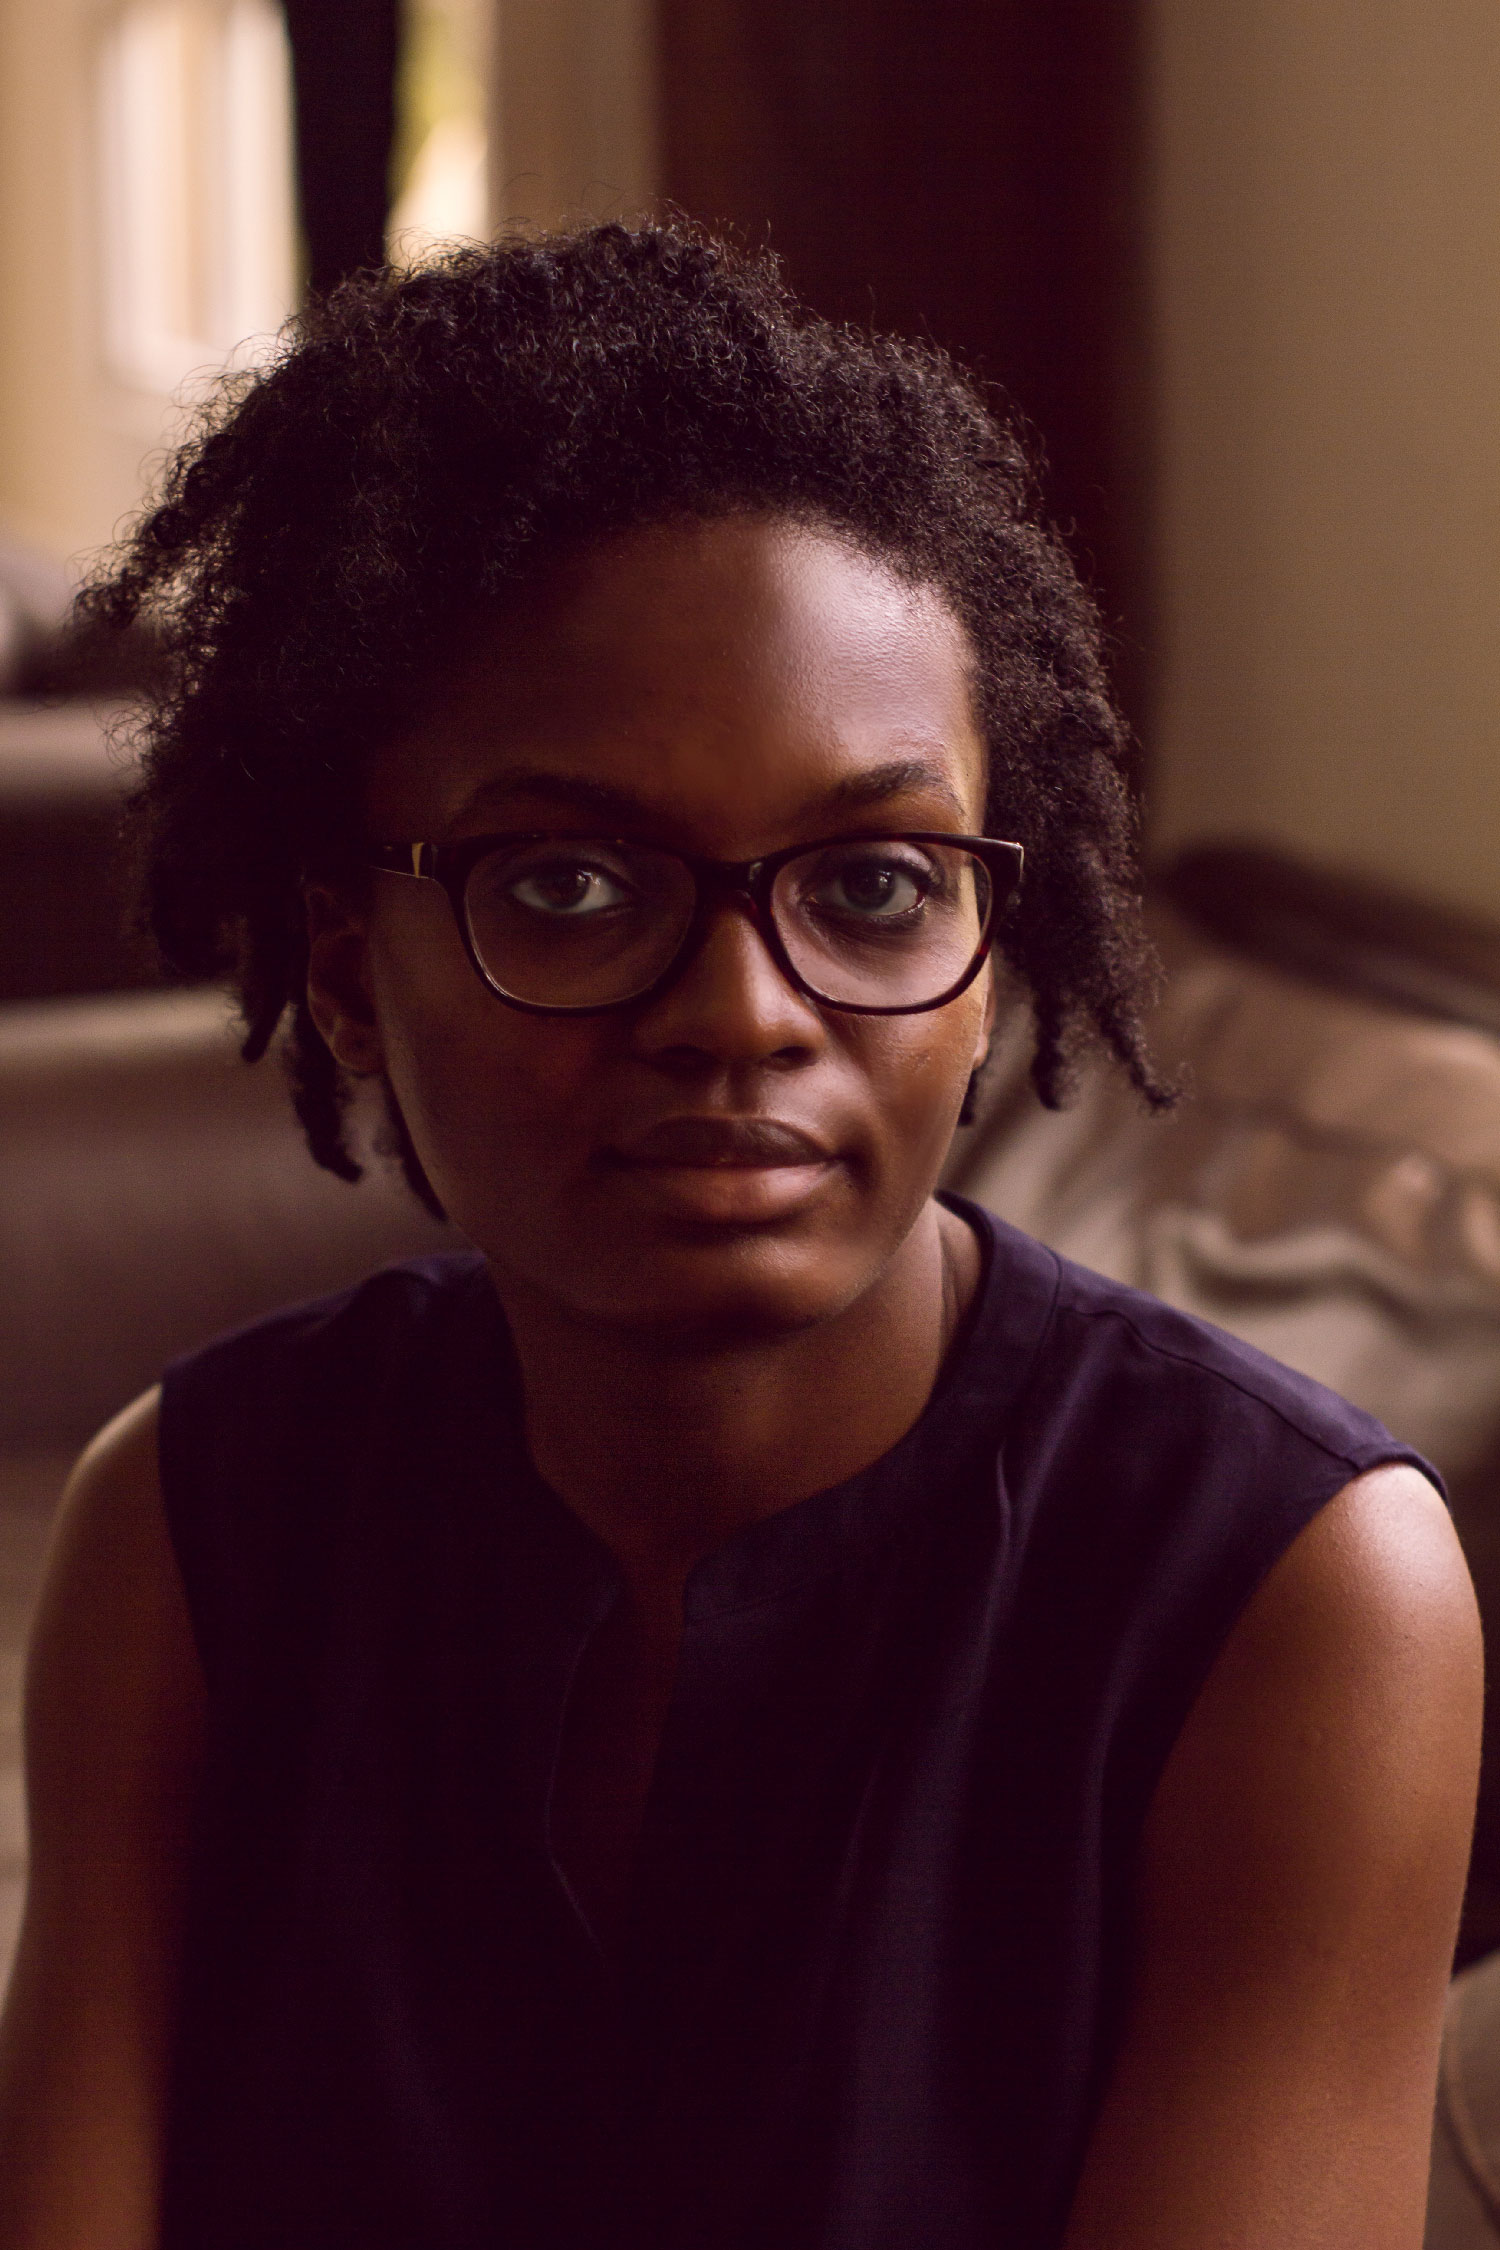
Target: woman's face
(724,688)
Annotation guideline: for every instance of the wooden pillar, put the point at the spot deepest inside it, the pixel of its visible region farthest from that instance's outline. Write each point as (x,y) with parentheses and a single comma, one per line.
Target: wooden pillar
(344,55)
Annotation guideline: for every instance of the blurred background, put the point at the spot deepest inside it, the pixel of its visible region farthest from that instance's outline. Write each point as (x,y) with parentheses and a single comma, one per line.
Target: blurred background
(1236,264)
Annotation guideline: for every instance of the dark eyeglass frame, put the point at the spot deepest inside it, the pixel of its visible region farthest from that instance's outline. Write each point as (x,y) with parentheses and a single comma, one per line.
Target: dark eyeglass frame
(715,881)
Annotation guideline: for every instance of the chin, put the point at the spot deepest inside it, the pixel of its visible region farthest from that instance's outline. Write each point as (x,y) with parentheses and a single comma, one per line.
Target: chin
(720,1310)
(706,1289)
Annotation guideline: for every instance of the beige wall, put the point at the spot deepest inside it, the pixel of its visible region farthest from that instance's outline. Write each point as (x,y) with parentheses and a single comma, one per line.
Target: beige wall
(70,442)
(1326,231)
(574,112)
(574,120)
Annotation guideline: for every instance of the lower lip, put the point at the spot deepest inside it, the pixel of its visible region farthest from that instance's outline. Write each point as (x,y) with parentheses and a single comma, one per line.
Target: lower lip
(731,1194)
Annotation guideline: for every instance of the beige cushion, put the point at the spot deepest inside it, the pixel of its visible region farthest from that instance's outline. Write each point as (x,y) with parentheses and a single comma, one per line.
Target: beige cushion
(1463,2198)
(1330,1190)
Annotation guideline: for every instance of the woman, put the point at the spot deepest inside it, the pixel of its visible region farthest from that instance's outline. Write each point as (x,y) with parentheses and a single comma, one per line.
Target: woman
(759,1708)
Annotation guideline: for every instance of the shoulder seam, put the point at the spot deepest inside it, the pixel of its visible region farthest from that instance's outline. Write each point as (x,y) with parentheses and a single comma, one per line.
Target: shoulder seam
(1223,1375)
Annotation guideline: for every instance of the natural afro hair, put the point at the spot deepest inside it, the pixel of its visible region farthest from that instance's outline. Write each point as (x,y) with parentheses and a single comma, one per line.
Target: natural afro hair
(423,438)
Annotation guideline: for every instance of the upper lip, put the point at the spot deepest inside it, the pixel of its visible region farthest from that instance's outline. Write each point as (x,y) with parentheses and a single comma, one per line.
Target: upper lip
(747,1141)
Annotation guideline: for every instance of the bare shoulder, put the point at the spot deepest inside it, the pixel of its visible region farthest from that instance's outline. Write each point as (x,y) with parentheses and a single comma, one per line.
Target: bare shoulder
(1382,1558)
(1351,1688)
(1335,1744)
(1298,1896)
(111,1648)
(113,1732)
(1372,1601)
(112,1496)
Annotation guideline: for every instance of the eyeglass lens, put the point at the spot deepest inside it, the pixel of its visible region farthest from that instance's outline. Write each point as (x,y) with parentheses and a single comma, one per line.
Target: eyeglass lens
(871,922)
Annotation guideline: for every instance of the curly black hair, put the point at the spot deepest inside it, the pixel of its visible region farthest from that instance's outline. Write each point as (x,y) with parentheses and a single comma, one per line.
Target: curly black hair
(421,438)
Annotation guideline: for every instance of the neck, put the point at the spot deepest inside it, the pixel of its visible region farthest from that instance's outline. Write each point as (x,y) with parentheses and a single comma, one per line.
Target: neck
(666,1452)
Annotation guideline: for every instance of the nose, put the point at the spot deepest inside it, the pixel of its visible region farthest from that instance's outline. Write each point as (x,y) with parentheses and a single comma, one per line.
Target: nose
(730,1003)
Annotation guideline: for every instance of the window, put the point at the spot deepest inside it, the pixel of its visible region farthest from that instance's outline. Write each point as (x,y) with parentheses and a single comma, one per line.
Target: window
(441,165)
(197,226)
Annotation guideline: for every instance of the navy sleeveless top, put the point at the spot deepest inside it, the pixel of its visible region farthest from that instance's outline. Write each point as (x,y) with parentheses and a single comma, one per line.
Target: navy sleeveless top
(876,1969)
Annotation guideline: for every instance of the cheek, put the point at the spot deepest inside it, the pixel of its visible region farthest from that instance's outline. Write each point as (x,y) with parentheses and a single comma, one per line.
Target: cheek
(919,1068)
(488,1094)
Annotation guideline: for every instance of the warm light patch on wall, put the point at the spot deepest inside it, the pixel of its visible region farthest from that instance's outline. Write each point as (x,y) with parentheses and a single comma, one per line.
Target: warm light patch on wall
(440,174)
(196,189)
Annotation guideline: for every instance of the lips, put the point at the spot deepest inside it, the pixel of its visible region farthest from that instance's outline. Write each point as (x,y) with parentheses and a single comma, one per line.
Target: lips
(722,1144)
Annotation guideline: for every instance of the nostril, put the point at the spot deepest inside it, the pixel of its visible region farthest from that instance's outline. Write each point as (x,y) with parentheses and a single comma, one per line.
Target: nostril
(688,1061)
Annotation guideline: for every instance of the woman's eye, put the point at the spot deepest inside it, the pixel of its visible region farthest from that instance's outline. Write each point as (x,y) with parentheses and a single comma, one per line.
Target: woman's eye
(570,888)
(872,888)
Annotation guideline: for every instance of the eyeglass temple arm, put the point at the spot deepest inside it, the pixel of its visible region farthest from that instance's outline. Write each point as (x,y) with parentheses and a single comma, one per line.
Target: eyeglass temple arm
(721,877)
(404,859)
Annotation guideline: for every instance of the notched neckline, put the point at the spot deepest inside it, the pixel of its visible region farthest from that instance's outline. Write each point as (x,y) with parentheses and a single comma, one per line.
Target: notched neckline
(826,1531)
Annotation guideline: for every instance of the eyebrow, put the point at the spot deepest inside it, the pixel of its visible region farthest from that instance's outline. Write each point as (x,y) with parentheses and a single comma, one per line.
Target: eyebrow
(878,783)
(857,792)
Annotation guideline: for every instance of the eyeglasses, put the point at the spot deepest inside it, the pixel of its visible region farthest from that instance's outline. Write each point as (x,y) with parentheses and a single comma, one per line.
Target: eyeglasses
(573,925)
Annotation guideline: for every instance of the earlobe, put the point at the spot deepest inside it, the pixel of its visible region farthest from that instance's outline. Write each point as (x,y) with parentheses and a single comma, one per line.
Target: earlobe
(338,982)
(970,1107)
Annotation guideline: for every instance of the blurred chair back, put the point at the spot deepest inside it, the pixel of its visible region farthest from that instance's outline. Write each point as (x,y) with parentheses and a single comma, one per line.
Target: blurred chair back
(154,1191)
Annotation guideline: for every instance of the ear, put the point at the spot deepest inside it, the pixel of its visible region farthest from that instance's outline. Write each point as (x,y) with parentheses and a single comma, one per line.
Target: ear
(339,995)
(986,1032)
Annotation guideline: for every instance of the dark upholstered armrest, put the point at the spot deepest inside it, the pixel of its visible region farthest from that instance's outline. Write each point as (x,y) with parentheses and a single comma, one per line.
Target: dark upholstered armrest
(154,1190)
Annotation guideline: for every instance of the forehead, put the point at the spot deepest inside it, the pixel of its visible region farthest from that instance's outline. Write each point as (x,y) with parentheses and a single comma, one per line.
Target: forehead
(725,676)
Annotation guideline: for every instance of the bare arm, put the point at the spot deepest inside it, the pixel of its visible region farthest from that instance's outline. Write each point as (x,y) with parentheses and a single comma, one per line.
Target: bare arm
(1301,1879)
(113,1731)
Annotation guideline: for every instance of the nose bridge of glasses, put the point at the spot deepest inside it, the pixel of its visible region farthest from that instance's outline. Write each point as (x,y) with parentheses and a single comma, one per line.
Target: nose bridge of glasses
(720,881)
(724,885)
